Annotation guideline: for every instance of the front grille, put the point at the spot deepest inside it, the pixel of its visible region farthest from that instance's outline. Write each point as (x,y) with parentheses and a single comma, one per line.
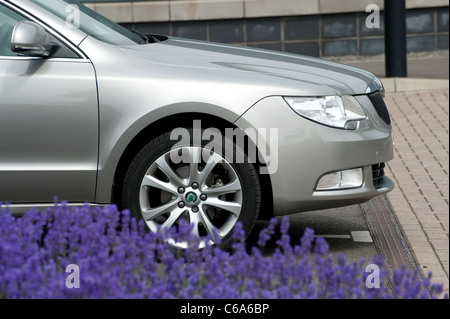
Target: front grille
(378,174)
(378,102)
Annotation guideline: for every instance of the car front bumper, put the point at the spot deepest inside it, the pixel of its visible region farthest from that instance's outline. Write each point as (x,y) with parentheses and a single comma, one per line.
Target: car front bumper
(298,152)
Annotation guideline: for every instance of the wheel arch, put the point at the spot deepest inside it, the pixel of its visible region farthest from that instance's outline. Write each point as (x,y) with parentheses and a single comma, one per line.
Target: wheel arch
(165,125)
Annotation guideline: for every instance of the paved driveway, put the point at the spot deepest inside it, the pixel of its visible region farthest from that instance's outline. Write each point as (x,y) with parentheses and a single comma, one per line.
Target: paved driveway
(421,173)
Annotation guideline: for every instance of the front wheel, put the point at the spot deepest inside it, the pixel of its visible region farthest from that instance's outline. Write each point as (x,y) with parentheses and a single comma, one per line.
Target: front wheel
(167,182)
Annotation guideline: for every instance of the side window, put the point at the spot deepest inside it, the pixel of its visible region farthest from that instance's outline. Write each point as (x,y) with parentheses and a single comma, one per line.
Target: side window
(8,20)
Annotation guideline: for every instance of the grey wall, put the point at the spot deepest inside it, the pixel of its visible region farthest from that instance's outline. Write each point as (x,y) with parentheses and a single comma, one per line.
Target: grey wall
(314,35)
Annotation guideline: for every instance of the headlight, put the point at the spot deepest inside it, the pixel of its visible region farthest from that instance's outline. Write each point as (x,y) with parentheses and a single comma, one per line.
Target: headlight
(336,111)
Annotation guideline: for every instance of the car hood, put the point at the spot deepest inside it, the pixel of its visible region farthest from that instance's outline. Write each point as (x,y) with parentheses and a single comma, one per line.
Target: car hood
(281,73)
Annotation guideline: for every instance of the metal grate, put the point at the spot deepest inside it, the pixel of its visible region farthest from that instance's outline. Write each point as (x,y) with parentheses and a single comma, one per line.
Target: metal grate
(378,174)
(378,102)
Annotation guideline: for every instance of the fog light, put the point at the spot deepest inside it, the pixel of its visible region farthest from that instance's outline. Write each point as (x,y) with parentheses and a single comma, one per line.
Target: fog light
(351,178)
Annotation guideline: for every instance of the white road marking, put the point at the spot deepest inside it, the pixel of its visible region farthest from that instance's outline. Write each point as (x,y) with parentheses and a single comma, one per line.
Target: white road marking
(357,236)
(361,237)
(334,236)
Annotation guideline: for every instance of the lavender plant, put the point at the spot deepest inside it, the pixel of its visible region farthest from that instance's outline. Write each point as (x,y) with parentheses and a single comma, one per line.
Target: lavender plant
(118,258)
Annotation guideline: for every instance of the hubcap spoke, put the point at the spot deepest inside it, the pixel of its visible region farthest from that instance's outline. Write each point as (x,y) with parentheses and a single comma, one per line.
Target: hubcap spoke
(151,181)
(233,207)
(174,215)
(195,221)
(212,230)
(212,162)
(232,187)
(195,156)
(169,172)
(152,213)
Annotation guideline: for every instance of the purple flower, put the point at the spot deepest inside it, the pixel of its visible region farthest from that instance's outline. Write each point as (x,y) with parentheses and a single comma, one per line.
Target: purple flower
(118,258)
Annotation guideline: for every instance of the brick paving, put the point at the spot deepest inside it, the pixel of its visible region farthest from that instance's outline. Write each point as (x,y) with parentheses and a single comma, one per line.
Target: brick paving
(420,171)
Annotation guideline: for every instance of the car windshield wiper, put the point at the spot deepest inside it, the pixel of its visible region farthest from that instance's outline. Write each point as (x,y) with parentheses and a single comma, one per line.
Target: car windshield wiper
(146,38)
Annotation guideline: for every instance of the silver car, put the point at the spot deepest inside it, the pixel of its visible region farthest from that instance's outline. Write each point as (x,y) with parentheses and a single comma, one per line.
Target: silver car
(176,129)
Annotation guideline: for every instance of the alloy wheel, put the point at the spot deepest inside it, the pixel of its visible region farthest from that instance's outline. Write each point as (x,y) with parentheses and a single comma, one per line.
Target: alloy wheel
(202,188)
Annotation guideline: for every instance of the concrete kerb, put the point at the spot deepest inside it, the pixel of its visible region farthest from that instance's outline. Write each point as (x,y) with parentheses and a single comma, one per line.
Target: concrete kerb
(395,85)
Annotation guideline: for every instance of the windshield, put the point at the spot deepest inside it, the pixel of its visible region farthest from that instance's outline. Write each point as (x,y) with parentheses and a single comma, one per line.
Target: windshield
(90,22)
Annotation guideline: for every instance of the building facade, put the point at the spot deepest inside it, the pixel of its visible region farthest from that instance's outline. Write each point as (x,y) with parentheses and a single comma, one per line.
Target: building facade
(321,28)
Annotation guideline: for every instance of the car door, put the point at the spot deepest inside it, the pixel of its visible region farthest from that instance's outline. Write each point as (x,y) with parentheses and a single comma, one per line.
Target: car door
(48,122)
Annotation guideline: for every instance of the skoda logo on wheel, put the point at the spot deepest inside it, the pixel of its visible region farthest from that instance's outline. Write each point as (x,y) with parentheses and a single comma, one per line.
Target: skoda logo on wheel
(191,198)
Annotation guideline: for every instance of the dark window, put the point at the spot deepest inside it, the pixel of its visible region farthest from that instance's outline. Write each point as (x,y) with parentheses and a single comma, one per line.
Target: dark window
(8,20)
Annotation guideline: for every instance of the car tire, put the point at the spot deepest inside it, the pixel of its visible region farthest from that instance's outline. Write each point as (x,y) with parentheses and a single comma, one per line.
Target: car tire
(169,180)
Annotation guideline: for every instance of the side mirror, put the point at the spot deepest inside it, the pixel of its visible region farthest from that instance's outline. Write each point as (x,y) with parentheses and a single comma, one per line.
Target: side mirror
(29,38)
